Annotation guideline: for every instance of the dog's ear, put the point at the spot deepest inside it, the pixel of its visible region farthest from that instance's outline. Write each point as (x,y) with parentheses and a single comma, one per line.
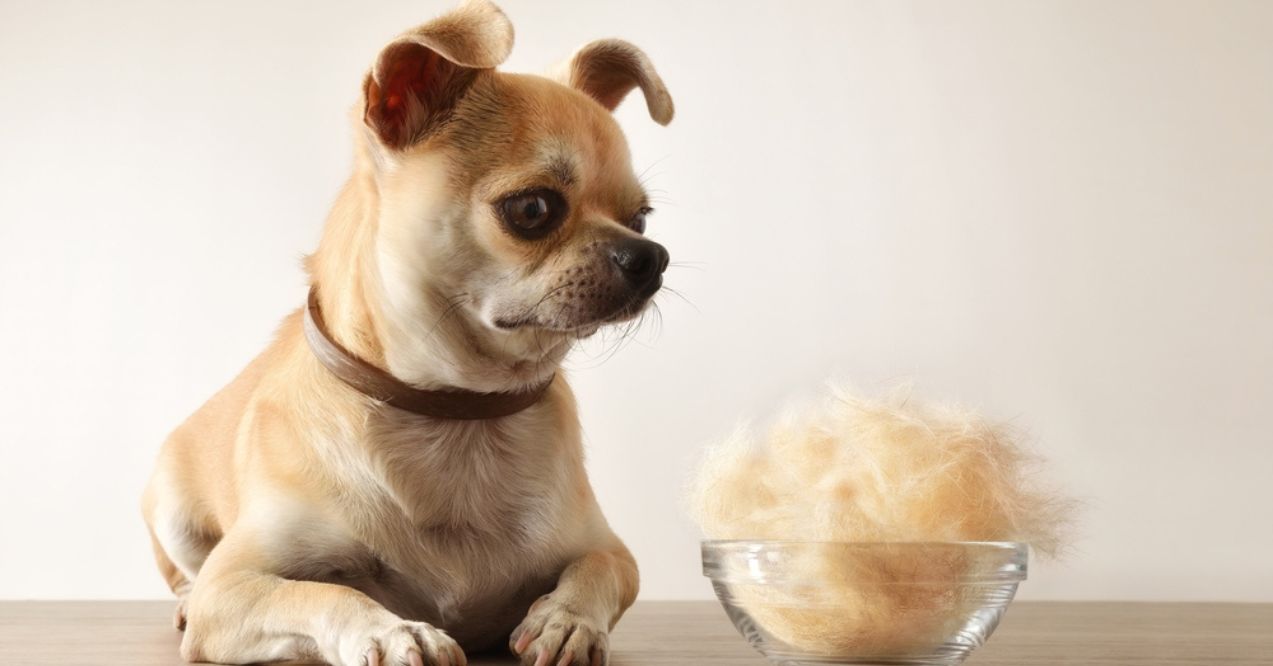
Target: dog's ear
(418,77)
(608,69)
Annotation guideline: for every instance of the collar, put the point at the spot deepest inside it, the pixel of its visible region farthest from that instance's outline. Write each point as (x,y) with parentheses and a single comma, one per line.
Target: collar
(377,384)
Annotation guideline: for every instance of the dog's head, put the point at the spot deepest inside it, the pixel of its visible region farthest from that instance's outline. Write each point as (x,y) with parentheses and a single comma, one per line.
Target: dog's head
(508,200)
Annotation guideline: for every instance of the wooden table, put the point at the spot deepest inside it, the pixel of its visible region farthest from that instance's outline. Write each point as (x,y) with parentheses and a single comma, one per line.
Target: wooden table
(138,633)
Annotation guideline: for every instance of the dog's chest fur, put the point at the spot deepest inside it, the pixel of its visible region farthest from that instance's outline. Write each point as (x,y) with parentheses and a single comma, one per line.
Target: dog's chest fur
(463,522)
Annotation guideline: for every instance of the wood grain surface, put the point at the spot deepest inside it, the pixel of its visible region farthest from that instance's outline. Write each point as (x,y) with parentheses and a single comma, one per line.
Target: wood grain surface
(139,633)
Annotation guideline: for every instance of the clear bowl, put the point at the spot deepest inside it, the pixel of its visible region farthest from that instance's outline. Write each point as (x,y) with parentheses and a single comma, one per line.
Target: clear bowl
(801,602)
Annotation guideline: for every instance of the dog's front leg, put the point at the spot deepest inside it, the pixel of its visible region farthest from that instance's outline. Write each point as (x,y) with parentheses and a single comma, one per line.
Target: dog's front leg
(571,624)
(241,611)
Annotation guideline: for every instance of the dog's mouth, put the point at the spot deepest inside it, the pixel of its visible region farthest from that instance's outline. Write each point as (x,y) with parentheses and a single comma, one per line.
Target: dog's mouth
(621,311)
(636,303)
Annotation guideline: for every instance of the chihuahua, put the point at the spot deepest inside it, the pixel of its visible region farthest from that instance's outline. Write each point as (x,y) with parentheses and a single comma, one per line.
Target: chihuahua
(399,477)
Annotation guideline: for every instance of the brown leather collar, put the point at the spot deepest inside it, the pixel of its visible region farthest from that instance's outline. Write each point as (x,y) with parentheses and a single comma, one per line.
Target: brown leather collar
(380,385)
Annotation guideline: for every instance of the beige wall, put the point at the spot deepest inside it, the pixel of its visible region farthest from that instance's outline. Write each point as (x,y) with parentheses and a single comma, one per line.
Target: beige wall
(1059,211)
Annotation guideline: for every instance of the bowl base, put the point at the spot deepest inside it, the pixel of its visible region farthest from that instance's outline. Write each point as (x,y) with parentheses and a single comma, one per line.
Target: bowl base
(907,661)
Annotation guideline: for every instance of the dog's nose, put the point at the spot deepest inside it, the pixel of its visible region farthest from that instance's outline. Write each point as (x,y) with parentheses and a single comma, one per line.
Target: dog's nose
(641,261)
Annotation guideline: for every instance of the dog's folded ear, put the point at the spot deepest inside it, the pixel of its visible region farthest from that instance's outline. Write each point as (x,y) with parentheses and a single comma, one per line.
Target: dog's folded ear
(608,69)
(417,78)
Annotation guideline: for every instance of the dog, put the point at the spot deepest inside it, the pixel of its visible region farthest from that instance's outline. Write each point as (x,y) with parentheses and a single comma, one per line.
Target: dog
(399,478)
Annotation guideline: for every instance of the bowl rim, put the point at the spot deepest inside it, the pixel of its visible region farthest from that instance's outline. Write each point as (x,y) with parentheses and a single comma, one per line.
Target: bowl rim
(1006,545)
(1013,568)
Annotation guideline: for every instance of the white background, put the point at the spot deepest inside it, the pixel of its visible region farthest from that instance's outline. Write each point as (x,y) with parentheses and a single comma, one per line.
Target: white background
(1059,212)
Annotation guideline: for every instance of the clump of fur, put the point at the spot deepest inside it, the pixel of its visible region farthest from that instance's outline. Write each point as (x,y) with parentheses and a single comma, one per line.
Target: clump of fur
(862,470)
(891,469)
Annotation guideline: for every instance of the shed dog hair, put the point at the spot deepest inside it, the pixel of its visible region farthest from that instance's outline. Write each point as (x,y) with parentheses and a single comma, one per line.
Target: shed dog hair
(491,220)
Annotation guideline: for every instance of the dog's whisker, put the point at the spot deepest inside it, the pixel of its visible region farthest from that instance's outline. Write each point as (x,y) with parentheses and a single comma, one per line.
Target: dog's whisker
(683,298)
(645,173)
(453,304)
(659,197)
(626,335)
(658,319)
(610,344)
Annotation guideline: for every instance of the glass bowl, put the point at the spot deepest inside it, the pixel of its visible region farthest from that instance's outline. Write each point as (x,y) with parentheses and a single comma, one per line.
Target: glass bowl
(802,602)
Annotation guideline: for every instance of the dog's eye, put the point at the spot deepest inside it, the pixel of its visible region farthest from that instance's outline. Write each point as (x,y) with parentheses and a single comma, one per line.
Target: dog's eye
(533,214)
(637,223)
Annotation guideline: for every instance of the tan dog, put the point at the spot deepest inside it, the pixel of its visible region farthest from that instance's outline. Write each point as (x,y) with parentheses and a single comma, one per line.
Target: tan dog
(491,220)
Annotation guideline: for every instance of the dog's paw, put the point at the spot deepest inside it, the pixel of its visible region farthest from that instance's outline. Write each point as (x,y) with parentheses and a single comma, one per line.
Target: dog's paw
(553,634)
(400,643)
